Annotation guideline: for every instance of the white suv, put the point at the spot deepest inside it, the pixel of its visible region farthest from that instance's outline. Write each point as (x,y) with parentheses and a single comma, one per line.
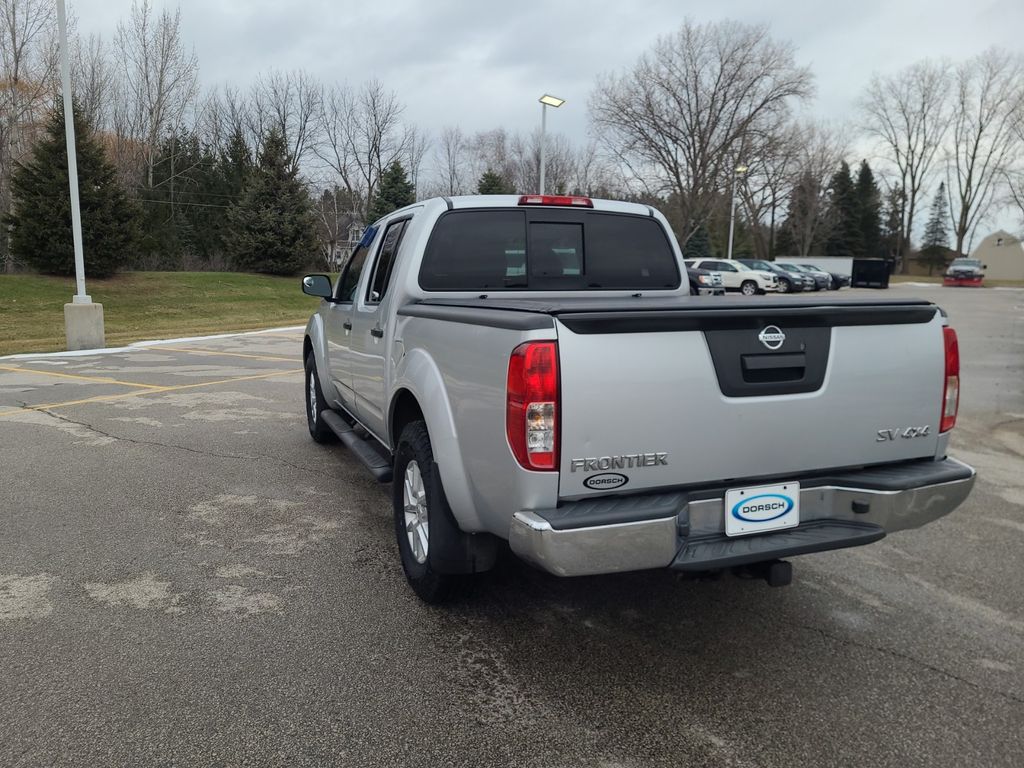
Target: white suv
(739,277)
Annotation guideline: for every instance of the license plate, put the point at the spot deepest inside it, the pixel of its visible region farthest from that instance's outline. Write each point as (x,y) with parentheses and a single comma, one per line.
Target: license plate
(760,509)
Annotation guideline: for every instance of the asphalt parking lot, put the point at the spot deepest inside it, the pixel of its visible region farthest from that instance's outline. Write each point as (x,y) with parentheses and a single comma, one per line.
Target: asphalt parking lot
(187,579)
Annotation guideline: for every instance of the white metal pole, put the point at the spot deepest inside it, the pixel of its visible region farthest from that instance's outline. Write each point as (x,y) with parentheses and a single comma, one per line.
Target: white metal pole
(69,131)
(732,213)
(543,141)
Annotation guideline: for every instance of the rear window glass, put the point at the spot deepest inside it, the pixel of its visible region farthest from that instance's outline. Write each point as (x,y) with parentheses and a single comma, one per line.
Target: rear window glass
(547,250)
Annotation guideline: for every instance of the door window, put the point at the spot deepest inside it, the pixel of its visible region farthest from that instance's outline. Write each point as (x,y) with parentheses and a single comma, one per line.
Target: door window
(350,277)
(385,262)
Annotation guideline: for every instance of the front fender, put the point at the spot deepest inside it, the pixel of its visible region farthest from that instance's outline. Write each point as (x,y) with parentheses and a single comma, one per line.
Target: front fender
(317,336)
(418,373)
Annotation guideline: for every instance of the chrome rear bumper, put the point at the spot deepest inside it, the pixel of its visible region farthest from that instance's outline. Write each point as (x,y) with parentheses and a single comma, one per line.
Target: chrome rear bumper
(832,515)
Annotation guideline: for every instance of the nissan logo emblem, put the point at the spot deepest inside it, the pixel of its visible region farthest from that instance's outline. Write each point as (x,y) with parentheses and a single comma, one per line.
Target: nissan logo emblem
(772,337)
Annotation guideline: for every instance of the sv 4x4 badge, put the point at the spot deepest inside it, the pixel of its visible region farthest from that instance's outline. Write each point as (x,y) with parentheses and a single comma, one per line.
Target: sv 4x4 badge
(906,433)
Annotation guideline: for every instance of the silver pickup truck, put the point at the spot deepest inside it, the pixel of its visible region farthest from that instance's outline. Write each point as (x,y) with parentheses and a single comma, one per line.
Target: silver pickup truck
(533,370)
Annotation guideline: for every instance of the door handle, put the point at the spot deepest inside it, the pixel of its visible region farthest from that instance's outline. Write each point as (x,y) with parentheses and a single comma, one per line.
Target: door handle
(378,332)
(347,325)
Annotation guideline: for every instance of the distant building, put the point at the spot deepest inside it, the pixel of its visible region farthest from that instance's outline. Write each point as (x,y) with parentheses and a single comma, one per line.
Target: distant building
(1004,255)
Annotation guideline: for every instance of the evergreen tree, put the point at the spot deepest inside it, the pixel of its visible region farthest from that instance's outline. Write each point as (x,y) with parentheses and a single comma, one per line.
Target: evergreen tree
(785,243)
(395,191)
(892,225)
(40,221)
(272,228)
(493,183)
(869,202)
(935,251)
(699,245)
(936,231)
(844,239)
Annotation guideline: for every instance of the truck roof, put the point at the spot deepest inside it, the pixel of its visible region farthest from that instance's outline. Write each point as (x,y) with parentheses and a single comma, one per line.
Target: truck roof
(512,201)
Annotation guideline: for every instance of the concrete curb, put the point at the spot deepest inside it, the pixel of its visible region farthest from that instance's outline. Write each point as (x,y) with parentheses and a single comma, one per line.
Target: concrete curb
(137,345)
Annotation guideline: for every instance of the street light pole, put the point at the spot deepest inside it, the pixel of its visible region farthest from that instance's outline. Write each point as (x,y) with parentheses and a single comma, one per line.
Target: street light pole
(543,141)
(545,101)
(83,320)
(69,133)
(738,171)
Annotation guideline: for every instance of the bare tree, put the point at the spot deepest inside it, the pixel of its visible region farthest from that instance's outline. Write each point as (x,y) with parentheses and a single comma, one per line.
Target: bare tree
(416,142)
(490,152)
(559,163)
(679,115)
(160,79)
(821,150)
(362,134)
(594,174)
(28,69)
(450,157)
(909,114)
(988,106)
(93,77)
(771,158)
(292,103)
(1015,175)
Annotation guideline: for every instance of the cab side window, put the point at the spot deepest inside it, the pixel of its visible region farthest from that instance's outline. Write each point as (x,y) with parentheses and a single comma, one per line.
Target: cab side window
(346,291)
(385,262)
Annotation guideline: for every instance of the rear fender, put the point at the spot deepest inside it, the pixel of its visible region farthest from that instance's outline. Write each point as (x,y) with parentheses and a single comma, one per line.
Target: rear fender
(418,373)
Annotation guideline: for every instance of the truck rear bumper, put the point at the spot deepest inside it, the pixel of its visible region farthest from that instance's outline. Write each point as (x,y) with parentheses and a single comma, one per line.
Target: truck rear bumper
(685,530)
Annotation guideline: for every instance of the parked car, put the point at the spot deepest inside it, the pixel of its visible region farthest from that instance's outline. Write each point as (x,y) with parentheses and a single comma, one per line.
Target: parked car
(510,389)
(839,280)
(789,282)
(703,282)
(822,280)
(737,276)
(965,272)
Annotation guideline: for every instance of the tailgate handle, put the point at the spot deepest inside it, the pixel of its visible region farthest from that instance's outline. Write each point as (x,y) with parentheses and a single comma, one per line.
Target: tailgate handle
(758,369)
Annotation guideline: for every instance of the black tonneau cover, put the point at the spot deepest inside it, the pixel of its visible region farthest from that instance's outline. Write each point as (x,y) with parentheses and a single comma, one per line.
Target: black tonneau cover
(640,314)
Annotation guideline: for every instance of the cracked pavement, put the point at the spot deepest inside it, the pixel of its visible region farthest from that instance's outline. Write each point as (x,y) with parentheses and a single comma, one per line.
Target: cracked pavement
(187,579)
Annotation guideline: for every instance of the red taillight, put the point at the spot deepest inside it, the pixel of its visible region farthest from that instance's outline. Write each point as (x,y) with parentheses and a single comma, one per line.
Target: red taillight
(531,412)
(951,387)
(573,201)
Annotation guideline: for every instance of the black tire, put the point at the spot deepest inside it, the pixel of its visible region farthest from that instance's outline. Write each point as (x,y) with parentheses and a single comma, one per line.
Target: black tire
(784,286)
(318,430)
(749,288)
(430,584)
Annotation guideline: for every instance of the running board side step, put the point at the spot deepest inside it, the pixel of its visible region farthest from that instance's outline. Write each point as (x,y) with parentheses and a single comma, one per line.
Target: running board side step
(364,449)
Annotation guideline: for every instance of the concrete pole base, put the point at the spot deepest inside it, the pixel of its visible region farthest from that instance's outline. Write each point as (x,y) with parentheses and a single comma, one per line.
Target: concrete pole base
(83,324)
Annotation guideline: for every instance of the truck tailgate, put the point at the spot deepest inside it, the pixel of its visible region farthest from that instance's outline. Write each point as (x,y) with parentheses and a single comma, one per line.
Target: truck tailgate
(702,394)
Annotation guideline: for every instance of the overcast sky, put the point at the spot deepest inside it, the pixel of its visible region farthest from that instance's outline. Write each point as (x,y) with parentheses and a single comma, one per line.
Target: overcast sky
(480,64)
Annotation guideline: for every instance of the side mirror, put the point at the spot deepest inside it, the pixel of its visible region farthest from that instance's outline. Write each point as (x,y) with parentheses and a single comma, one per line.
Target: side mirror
(984,266)
(317,285)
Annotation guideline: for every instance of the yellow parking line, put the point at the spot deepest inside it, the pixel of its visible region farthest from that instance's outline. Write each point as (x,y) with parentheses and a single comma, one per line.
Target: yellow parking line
(125,395)
(100,379)
(228,354)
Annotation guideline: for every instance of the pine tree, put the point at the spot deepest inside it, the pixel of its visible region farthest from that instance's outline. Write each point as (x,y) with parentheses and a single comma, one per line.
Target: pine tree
(698,246)
(844,240)
(936,231)
(493,183)
(40,221)
(935,251)
(892,226)
(869,204)
(272,228)
(395,191)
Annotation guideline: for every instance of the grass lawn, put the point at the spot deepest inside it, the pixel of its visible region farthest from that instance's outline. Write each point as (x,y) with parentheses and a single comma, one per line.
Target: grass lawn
(149,305)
